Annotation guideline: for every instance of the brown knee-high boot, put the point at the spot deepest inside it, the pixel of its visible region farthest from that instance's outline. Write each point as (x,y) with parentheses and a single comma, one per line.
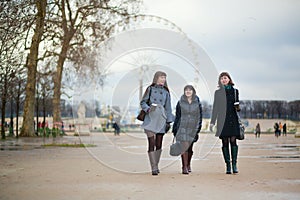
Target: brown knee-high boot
(190,154)
(184,159)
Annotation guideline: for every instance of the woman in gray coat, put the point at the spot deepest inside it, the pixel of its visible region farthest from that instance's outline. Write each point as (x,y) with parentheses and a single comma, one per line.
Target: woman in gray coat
(225,107)
(187,124)
(156,102)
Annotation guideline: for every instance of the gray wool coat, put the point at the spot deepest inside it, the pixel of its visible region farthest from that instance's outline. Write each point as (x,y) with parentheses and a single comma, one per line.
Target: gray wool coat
(158,95)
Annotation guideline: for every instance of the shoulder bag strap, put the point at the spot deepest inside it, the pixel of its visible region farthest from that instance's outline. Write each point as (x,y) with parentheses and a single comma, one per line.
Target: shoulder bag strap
(148,101)
(235,95)
(235,100)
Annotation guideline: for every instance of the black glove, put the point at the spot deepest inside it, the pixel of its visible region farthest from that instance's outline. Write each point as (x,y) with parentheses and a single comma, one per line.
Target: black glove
(168,126)
(198,130)
(196,138)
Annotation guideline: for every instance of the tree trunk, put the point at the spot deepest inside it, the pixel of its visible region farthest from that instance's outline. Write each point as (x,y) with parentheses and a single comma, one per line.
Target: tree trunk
(37,115)
(18,109)
(44,115)
(58,76)
(57,89)
(11,123)
(3,101)
(3,121)
(28,120)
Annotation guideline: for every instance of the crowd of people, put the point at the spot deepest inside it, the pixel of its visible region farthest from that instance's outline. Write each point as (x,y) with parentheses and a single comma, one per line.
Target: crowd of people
(279,128)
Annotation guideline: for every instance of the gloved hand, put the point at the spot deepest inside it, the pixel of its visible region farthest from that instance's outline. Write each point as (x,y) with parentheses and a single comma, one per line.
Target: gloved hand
(196,138)
(198,130)
(168,126)
(211,127)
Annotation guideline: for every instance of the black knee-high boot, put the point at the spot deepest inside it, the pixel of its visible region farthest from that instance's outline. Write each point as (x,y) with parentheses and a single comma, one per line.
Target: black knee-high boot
(226,156)
(234,153)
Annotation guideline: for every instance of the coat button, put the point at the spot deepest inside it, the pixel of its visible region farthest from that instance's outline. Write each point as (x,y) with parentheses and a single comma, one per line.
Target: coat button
(160,100)
(160,92)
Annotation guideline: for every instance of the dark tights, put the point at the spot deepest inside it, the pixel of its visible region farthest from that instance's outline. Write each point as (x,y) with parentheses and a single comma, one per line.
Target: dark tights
(190,150)
(155,142)
(227,140)
(187,146)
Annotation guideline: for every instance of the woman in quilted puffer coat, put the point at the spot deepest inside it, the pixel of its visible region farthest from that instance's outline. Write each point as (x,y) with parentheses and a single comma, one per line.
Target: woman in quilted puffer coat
(187,124)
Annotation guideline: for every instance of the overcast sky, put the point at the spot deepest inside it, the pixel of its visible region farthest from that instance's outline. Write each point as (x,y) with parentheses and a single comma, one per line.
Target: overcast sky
(257,42)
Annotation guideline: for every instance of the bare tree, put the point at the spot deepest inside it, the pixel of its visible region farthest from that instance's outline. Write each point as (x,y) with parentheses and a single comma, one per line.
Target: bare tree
(246,107)
(77,27)
(18,96)
(11,50)
(31,64)
(44,92)
(294,110)
(258,109)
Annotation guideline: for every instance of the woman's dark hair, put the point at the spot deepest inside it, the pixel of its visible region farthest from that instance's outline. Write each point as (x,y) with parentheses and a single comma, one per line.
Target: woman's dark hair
(156,76)
(225,74)
(191,88)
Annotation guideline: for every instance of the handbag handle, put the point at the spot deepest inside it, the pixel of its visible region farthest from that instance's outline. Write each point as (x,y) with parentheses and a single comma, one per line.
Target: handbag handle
(235,100)
(148,101)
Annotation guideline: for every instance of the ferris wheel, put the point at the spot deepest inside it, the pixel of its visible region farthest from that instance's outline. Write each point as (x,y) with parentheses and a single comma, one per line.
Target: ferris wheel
(132,55)
(147,44)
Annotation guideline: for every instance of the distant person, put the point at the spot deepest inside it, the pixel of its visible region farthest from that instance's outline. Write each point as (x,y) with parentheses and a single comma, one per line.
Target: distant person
(276,129)
(225,107)
(284,129)
(107,124)
(257,130)
(62,128)
(187,124)
(280,128)
(116,128)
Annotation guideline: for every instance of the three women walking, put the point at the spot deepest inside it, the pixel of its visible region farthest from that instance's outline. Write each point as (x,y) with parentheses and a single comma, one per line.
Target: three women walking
(156,102)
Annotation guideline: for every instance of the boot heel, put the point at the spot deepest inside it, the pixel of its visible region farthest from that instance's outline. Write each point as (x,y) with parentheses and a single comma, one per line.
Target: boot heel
(185,171)
(228,168)
(154,173)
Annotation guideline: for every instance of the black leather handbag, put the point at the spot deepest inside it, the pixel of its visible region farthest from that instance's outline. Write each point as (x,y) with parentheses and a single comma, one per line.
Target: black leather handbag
(241,126)
(142,113)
